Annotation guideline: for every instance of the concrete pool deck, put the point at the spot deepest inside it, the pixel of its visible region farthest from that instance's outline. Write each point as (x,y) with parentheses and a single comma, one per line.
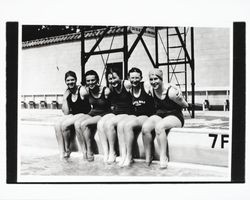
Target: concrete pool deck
(203,119)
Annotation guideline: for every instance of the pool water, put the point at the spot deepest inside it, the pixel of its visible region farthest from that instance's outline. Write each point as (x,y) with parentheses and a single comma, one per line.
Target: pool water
(76,166)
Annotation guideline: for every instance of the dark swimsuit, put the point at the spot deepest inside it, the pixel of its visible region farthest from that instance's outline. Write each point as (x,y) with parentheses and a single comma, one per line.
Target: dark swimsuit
(144,104)
(168,107)
(79,106)
(121,102)
(100,105)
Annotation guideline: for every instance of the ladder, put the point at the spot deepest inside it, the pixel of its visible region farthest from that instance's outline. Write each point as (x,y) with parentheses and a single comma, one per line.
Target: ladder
(177,58)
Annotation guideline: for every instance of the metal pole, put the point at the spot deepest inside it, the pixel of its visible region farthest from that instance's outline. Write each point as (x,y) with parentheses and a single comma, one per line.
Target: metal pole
(83,62)
(192,69)
(125,51)
(185,42)
(156,48)
(167,33)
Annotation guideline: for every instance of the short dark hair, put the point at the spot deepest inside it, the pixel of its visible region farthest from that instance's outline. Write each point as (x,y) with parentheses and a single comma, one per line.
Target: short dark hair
(113,70)
(135,69)
(70,73)
(92,72)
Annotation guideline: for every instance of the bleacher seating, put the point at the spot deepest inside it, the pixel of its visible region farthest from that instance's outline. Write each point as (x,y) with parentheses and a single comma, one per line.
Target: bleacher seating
(32,105)
(43,105)
(54,105)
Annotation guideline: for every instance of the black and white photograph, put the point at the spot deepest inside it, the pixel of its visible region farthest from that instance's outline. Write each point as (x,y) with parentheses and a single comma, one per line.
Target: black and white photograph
(124,103)
(103,99)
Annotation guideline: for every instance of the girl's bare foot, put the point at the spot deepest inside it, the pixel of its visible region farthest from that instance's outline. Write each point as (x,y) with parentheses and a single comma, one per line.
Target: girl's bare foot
(112,158)
(128,162)
(163,163)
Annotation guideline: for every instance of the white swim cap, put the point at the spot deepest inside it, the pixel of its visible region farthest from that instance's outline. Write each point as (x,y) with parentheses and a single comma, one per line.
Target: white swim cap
(156,72)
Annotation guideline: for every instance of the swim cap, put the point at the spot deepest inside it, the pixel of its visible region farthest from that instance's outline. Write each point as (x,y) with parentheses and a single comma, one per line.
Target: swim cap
(156,72)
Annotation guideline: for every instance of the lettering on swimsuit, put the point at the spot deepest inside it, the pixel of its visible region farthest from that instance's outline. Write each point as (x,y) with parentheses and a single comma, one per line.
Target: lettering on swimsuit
(138,103)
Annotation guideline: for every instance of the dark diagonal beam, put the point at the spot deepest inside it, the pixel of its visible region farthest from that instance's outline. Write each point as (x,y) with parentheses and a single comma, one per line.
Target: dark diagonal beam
(96,44)
(147,51)
(136,41)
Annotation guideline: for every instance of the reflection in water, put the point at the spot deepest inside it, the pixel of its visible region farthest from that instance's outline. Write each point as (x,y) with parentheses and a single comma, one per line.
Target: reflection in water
(76,166)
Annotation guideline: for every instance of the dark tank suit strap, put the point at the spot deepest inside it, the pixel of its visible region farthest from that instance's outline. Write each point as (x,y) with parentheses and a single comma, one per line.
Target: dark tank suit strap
(80,105)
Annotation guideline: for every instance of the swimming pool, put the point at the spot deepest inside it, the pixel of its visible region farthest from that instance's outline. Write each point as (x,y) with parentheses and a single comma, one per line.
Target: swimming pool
(38,156)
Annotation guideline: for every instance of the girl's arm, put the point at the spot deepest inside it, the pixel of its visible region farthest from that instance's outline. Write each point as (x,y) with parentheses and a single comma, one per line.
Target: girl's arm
(107,92)
(176,96)
(127,85)
(65,106)
(83,92)
(176,88)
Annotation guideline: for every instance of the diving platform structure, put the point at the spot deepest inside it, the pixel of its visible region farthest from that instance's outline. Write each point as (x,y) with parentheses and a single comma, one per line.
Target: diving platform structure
(179,56)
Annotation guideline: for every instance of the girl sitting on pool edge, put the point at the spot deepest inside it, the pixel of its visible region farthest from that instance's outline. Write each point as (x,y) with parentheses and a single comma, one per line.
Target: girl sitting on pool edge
(168,103)
(75,105)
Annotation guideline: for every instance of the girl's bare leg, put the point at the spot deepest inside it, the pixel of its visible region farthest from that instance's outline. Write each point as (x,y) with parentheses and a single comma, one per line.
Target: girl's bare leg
(129,130)
(147,136)
(103,137)
(67,127)
(80,138)
(121,140)
(59,135)
(110,131)
(160,129)
(87,133)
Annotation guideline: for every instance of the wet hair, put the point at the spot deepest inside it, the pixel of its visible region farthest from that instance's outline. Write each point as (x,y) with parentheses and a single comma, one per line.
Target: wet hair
(113,70)
(91,72)
(135,69)
(70,73)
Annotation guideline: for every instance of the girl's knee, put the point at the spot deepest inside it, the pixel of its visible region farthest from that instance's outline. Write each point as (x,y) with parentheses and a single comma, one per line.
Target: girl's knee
(129,126)
(57,126)
(121,125)
(108,125)
(147,127)
(65,126)
(99,126)
(77,124)
(83,125)
(160,128)
(163,126)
